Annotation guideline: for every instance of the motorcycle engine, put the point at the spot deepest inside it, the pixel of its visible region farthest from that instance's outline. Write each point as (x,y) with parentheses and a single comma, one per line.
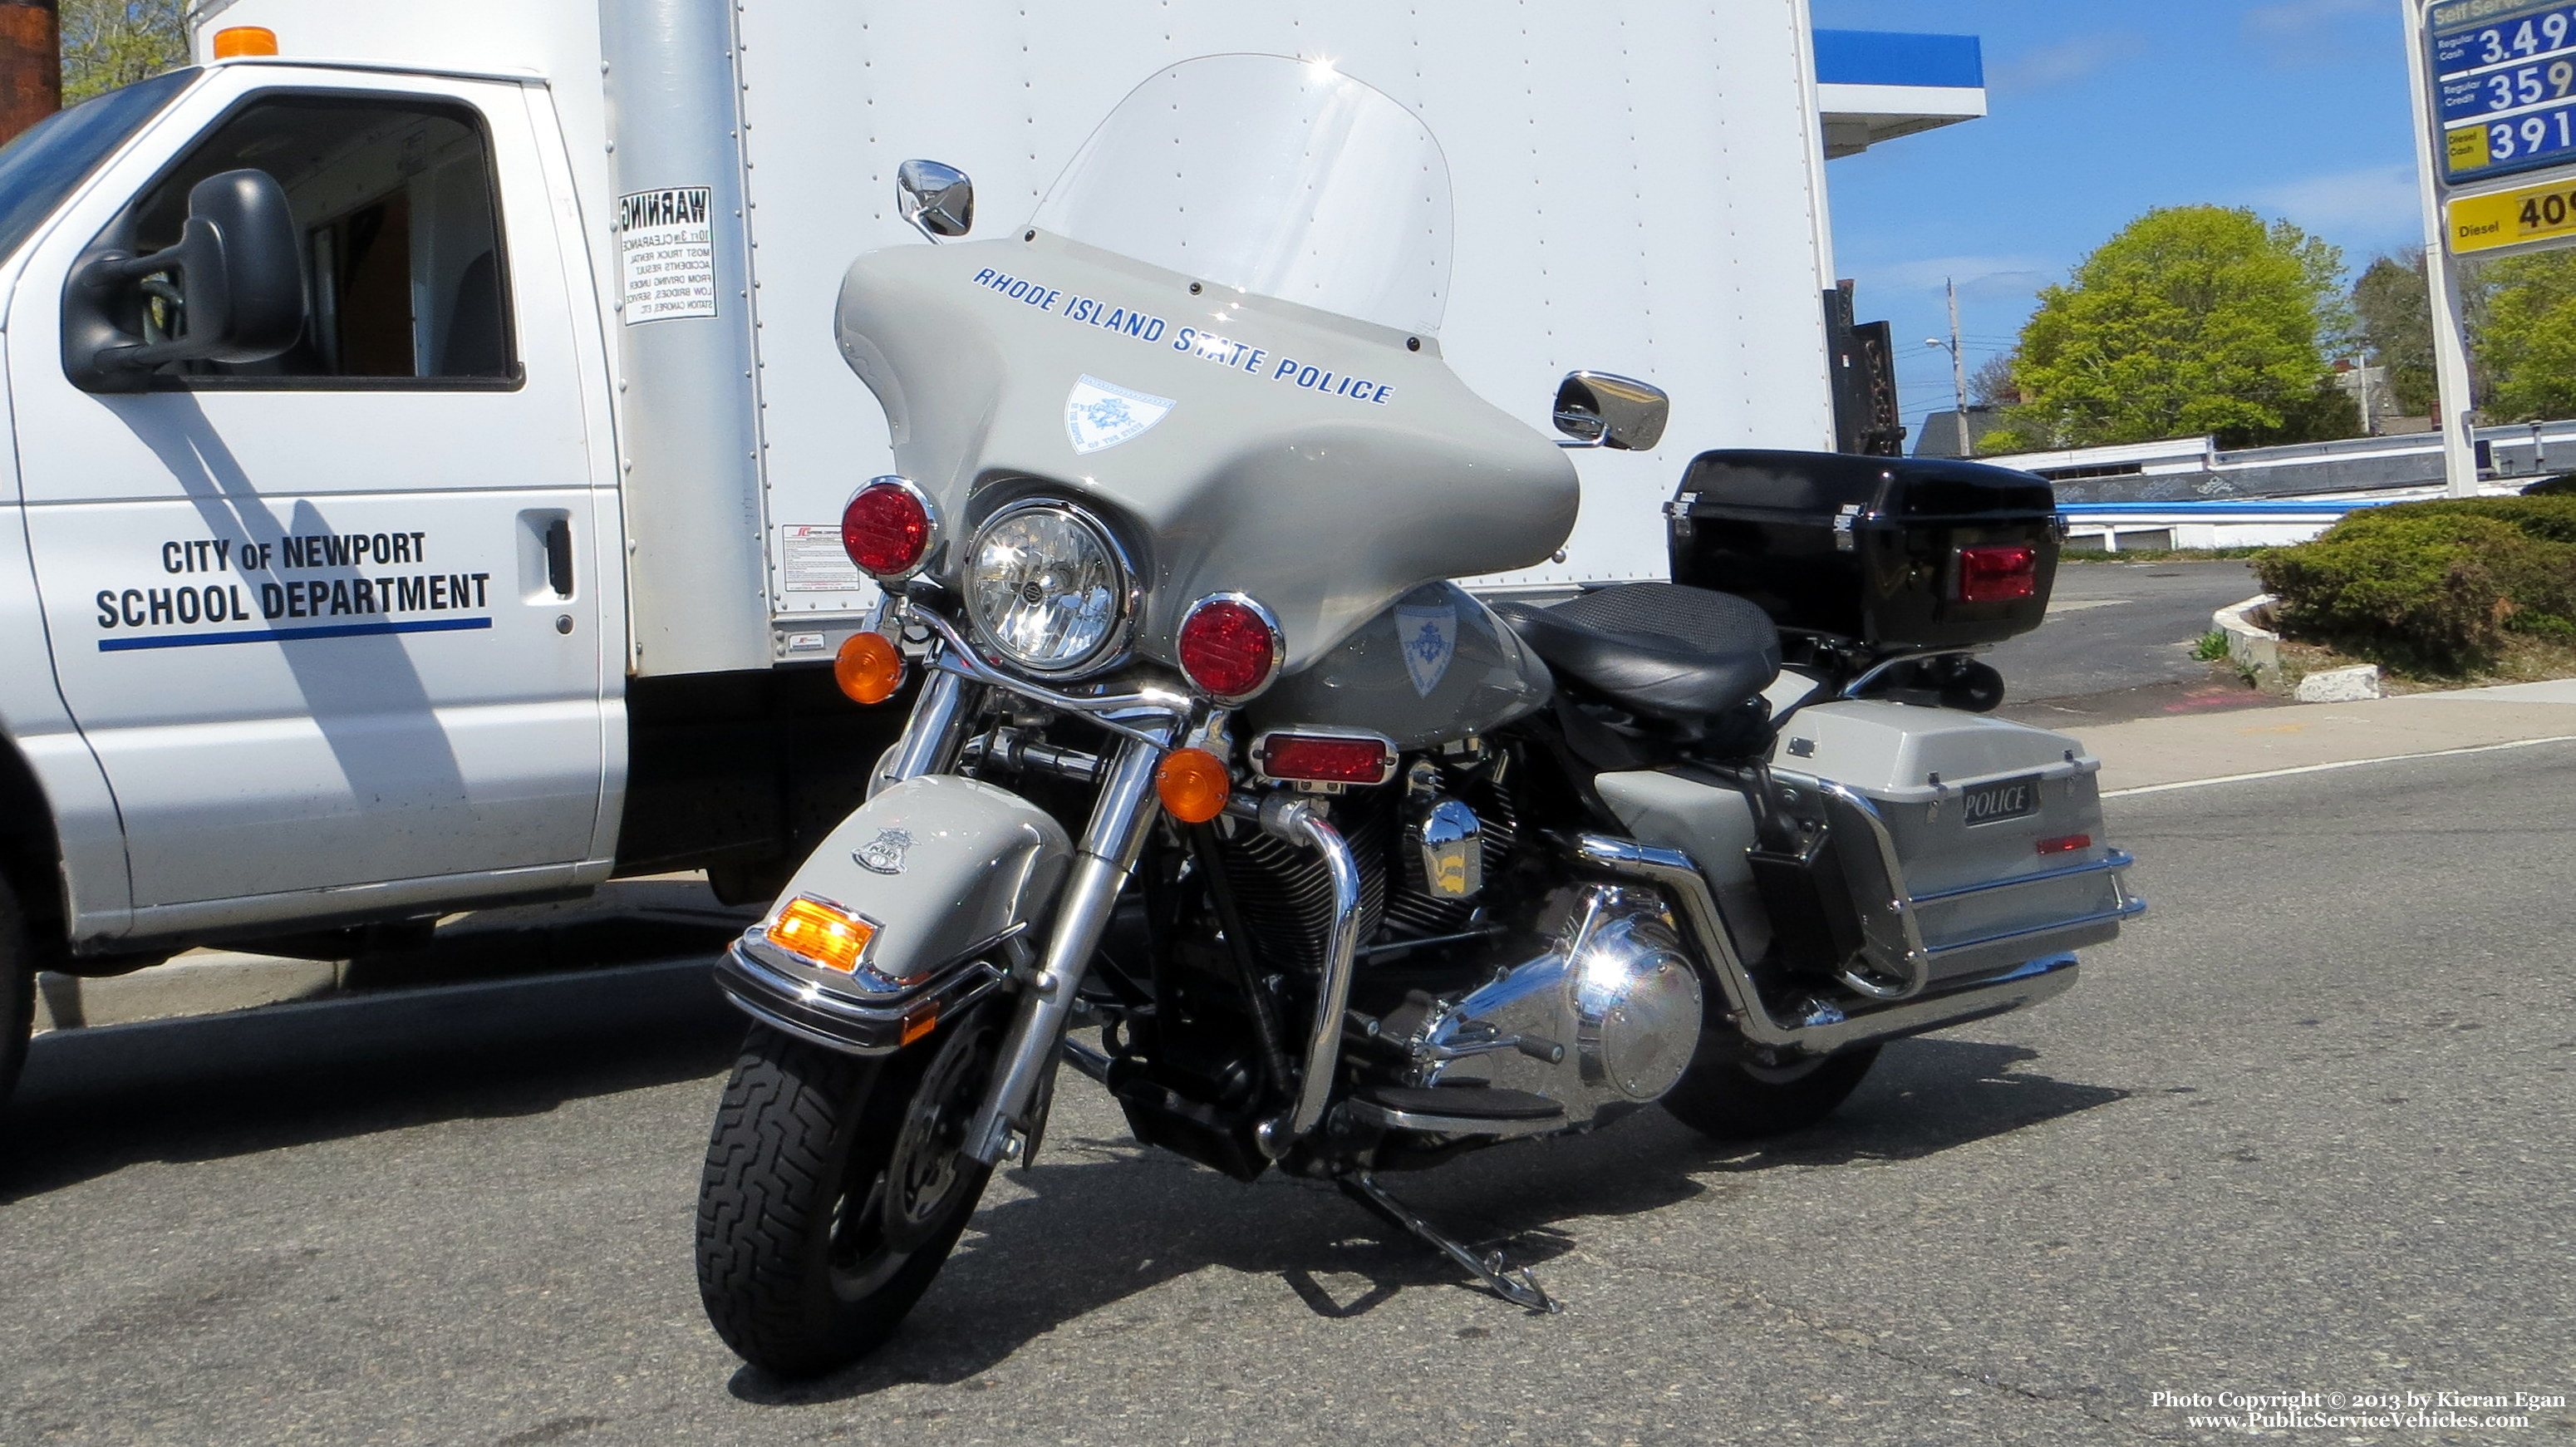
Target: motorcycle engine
(1424,847)
(1601,1022)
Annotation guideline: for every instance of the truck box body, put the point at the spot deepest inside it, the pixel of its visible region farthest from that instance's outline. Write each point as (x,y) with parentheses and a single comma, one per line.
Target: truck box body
(1638,188)
(522,569)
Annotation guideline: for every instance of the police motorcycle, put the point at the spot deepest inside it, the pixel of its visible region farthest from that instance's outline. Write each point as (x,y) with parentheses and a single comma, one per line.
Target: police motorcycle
(1349,871)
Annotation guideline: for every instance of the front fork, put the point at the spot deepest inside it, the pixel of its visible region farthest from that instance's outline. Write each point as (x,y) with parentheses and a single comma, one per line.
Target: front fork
(1120,822)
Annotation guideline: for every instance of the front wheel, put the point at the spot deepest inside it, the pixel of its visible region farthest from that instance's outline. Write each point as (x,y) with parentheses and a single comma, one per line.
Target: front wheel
(1727,1094)
(834,1189)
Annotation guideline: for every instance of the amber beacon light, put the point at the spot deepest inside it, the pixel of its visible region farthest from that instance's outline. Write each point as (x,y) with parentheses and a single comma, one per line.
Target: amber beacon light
(235,41)
(1192,784)
(822,932)
(868,668)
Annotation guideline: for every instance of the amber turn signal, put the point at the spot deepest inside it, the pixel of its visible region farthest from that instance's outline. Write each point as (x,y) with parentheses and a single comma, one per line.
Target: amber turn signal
(831,937)
(1193,785)
(868,668)
(239,40)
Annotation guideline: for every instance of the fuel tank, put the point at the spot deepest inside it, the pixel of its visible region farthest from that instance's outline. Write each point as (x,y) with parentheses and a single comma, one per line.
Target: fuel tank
(1435,665)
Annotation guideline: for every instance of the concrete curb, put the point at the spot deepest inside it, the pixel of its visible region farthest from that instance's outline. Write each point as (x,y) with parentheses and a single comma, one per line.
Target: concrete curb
(2251,646)
(202,982)
(641,1001)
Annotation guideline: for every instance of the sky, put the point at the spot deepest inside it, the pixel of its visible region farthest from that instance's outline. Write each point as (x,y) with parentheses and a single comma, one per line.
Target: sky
(2099,110)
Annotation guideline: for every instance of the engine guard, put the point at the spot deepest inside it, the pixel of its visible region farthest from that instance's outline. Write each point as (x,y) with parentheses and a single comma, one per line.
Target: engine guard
(954,877)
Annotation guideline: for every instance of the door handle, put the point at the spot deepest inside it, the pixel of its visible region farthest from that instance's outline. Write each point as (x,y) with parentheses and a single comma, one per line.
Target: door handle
(559,556)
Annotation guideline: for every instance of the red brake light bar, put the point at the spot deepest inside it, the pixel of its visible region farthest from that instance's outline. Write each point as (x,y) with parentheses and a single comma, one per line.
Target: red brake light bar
(1998,575)
(1319,758)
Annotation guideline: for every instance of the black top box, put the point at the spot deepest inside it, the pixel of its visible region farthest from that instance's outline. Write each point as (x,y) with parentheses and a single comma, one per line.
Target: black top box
(1896,552)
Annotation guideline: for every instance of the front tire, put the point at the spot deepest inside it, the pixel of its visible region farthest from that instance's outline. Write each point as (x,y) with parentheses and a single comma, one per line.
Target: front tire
(1728,1095)
(834,1190)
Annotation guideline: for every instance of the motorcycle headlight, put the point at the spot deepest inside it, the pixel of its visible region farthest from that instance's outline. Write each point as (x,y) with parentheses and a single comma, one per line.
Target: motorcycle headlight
(1046,587)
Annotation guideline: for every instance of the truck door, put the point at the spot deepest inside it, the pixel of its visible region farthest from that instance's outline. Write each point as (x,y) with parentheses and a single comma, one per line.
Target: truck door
(328,619)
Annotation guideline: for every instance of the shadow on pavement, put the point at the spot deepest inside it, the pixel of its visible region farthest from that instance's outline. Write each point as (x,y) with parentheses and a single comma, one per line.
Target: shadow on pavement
(1089,1235)
(207,1087)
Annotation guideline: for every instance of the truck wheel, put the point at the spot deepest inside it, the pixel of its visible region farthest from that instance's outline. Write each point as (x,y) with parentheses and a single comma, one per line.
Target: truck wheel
(1727,1095)
(17,993)
(834,1189)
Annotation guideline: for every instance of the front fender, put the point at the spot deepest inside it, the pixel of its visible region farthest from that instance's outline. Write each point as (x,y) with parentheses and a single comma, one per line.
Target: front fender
(952,875)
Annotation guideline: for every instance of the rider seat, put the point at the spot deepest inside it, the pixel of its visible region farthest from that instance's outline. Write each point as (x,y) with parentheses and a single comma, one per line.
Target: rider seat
(1657,649)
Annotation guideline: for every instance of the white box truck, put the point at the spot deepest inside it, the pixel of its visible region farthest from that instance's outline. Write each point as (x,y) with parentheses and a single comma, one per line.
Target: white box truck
(519,568)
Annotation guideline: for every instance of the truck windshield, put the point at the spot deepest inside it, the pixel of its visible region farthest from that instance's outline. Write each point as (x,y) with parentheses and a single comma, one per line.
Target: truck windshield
(1280,177)
(40,167)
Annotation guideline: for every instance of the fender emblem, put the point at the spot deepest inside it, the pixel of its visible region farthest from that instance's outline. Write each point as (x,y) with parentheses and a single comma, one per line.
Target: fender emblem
(883,854)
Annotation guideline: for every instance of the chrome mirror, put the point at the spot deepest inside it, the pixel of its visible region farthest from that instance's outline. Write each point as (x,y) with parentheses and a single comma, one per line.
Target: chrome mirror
(1598,409)
(938,200)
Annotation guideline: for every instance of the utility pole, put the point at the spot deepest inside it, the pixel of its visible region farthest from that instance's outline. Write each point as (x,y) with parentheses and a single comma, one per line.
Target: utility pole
(31,64)
(1958,368)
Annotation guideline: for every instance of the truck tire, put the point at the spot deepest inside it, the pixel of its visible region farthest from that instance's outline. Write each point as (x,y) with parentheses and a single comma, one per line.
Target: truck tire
(834,1190)
(17,993)
(1726,1095)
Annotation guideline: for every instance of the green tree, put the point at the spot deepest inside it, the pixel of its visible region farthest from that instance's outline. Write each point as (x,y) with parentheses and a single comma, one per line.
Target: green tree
(109,43)
(2527,344)
(2393,310)
(2193,319)
(2392,305)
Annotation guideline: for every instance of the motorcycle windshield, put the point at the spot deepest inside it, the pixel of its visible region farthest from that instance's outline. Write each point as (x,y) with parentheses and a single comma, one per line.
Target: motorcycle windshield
(1279,177)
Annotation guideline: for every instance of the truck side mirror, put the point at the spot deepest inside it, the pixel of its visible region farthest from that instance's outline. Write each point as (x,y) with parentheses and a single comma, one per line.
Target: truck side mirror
(232,290)
(1597,409)
(937,199)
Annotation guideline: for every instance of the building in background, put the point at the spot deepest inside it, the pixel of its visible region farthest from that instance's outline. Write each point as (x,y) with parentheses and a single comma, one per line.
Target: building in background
(1956,434)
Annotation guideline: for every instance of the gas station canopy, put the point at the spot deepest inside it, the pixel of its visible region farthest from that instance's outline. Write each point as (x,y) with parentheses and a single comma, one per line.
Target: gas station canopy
(1876,85)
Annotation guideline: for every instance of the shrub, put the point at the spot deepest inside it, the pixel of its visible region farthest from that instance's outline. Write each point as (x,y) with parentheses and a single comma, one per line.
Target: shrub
(2563,485)
(2431,585)
(2550,516)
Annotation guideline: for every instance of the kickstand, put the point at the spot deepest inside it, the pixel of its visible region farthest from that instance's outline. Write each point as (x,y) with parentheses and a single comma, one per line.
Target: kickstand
(1515,1286)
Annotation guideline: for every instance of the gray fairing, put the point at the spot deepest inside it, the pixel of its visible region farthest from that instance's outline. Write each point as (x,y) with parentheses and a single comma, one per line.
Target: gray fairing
(1480,676)
(1324,502)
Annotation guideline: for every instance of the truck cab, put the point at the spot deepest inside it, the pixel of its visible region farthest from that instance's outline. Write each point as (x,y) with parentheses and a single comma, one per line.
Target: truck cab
(337,632)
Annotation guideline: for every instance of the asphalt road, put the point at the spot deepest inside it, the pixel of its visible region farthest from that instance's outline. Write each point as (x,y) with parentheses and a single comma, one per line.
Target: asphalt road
(2118,641)
(2304,1129)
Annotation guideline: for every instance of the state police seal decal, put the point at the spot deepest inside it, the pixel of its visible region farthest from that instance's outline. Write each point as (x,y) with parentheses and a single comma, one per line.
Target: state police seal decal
(1100,414)
(883,854)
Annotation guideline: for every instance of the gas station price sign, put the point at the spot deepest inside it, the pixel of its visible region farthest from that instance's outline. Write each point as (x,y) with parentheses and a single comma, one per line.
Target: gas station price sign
(2504,85)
